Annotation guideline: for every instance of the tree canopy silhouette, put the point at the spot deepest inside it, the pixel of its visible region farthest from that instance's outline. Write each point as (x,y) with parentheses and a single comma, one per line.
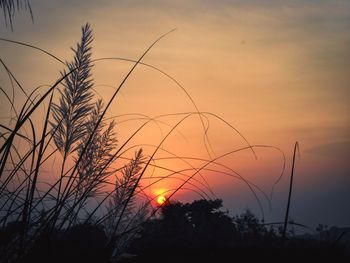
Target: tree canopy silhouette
(202,231)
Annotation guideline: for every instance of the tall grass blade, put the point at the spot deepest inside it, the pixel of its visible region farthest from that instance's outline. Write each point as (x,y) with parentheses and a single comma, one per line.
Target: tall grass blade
(296,148)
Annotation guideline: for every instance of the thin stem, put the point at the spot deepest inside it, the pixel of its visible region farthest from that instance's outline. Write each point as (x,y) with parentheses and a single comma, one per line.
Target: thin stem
(296,147)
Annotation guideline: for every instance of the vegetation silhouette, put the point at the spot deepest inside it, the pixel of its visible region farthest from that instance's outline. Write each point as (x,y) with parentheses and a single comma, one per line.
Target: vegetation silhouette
(202,232)
(10,7)
(79,243)
(87,210)
(97,180)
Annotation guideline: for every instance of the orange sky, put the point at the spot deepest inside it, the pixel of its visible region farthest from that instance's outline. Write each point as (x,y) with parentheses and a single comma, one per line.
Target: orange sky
(277,71)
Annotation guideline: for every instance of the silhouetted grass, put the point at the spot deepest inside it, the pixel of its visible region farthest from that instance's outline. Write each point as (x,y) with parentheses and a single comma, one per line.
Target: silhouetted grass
(10,7)
(89,197)
(296,147)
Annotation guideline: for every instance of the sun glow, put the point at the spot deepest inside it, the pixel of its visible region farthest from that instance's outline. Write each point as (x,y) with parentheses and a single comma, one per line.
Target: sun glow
(161,200)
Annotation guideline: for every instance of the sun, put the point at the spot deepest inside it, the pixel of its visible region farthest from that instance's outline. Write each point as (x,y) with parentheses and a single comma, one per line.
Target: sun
(161,200)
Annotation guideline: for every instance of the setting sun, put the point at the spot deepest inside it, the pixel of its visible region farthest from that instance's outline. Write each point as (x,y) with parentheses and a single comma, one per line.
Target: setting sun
(161,200)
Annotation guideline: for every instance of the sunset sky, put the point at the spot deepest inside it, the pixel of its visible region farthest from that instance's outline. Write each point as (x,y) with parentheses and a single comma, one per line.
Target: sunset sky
(277,71)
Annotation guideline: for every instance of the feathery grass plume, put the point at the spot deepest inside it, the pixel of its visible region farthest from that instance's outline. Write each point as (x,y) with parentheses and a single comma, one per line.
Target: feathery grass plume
(70,115)
(123,189)
(10,7)
(124,185)
(75,102)
(93,167)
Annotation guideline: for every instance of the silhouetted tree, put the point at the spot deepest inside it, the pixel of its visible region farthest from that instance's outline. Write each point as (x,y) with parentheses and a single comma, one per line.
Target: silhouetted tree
(197,230)
(202,232)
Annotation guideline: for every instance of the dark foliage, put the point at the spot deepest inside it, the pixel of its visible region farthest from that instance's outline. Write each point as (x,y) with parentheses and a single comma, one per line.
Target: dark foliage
(193,232)
(200,231)
(81,243)
(198,225)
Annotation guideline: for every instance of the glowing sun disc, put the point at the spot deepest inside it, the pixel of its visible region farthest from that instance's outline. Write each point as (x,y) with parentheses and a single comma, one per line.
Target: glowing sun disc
(161,200)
